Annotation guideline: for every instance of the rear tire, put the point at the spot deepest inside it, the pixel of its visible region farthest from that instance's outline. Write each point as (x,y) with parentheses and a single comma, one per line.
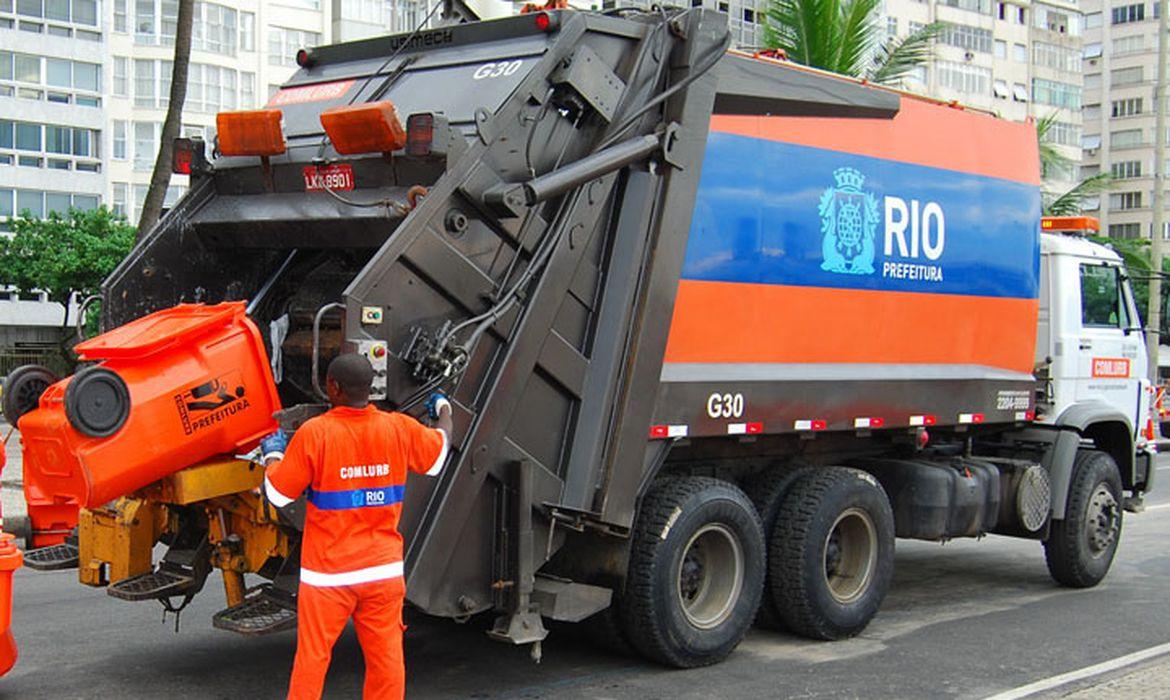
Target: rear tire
(767,493)
(831,553)
(1080,549)
(696,572)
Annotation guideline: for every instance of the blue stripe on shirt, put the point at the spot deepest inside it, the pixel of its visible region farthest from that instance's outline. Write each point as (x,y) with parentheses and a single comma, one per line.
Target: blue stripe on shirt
(357,498)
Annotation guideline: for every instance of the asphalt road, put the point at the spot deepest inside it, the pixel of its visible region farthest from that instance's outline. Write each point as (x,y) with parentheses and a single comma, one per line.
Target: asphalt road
(967,619)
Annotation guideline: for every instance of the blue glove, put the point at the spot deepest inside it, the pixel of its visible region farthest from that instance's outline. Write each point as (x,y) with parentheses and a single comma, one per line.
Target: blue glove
(273,446)
(435,402)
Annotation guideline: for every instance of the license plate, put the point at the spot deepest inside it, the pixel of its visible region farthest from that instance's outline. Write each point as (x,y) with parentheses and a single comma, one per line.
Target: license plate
(333,177)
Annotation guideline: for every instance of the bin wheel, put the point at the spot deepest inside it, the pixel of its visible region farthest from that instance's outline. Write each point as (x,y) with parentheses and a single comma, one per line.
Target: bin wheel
(97,402)
(1079,549)
(696,572)
(23,389)
(831,553)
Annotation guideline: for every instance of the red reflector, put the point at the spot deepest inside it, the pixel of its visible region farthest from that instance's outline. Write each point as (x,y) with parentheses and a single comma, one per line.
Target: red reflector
(755,428)
(977,418)
(303,58)
(819,425)
(366,128)
(181,156)
(929,420)
(420,133)
(250,133)
(1029,415)
(658,431)
(543,21)
(876,422)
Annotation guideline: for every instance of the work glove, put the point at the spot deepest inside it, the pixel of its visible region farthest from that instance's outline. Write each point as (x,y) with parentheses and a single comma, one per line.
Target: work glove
(273,446)
(436,401)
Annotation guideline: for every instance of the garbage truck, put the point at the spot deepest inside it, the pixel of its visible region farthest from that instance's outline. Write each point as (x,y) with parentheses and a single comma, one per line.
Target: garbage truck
(716,329)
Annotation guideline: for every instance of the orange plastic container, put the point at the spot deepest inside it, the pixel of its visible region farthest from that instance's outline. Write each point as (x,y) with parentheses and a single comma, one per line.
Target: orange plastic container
(10,560)
(168,390)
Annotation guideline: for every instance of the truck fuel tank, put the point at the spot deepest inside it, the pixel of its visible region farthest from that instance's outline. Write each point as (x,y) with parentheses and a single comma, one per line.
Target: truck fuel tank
(936,500)
(159,394)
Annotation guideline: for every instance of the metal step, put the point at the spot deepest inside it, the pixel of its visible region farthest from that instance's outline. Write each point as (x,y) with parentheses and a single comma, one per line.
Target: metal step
(258,614)
(52,558)
(152,585)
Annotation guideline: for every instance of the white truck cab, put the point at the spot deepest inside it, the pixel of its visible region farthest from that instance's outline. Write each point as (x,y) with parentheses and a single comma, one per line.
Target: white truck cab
(1091,358)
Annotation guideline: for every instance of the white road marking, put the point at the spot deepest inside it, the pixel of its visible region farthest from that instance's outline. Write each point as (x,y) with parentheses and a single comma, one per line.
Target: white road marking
(1160,506)
(1040,686)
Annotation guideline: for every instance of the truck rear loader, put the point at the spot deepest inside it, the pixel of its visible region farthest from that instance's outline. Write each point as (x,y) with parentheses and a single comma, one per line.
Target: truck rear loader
(716,328)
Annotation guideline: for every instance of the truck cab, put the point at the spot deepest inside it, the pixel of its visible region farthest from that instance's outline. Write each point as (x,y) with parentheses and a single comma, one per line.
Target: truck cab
(1091,362)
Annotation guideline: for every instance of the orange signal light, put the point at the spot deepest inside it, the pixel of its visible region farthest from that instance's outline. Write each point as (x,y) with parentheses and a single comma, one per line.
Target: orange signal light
(250,133)
(366,128)
(1070,223)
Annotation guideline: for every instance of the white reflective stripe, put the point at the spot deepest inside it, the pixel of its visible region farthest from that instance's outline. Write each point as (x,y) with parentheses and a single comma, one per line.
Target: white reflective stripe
(277,498)
(438,465)
(351,578)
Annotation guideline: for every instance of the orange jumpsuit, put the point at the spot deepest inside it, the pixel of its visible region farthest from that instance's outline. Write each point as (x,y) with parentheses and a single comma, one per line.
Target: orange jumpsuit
(354,463)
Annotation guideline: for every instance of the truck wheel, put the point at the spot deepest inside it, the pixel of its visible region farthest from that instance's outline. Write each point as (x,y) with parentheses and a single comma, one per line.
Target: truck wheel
(1079,549)
(767,492)
(696,572)
(831,553)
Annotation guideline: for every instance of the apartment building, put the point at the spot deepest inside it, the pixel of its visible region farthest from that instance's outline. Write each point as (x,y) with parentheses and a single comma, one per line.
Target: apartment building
(84,84)
(1120,64)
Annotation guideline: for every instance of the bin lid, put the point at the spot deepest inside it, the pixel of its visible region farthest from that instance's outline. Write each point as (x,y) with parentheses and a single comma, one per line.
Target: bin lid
(158,331)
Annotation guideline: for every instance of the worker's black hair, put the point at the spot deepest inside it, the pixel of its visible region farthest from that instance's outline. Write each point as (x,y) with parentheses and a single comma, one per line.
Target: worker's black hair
(353,374)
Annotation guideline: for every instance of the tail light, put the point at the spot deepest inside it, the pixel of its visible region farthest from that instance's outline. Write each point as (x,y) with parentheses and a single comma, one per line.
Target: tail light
(304,58)
(250,133)
(182,154)
(421,131)
(364,128)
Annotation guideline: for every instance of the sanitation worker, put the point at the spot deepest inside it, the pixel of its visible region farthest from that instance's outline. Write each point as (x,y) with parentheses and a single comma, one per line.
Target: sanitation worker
(352,461)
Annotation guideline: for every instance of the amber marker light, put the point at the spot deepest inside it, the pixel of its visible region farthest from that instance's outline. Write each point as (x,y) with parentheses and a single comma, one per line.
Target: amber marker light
(366,128)
(250,133)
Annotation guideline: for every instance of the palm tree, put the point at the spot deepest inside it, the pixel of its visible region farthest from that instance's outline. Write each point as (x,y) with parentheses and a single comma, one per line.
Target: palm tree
(845,36)
(1071,201)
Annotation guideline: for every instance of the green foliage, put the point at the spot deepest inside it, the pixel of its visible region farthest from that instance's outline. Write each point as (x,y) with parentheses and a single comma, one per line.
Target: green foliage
(1071,201)
(845,36)
(64,254)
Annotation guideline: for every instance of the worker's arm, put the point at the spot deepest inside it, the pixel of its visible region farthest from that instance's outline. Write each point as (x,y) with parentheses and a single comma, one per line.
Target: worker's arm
(288,471)
(429,446)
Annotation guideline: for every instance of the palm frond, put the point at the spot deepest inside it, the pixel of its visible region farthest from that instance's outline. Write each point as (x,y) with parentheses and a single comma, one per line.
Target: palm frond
(1051,159)
(1069,202)
(859,35)
(897,58)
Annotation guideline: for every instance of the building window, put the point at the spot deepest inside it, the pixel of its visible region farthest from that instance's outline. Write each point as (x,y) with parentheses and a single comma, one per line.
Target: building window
(144,24)
(1091,113)
(247,90)
(1019,53)
(1091,51)
(145,144)
(121,191)
(120,18)
(1125,200)
(144,83)
(77,12)
(980,6)
(1092,20)
(1019,92)
(1000,49)
(1129,230)
(1021,16)
(1128,45)
(1093,81)
(1057,94)
(1127,107)
(215,29)
(891,26)
(964,77)
(37,145)
(1000,89)
(1060,58)
(69,82)
(283,45)
(121,79)
(1128,138)
(966,37)
(1126,170)
(1090,142)
(1125,76)
(1129,13)
(247,31)
(120,128)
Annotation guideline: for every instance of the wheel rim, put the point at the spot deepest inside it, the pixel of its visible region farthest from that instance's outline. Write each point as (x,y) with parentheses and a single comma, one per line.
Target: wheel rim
(850,555)
(710,576)
(1101,523)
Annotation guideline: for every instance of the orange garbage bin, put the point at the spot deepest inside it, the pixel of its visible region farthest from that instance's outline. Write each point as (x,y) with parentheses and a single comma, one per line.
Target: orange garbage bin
(10,560)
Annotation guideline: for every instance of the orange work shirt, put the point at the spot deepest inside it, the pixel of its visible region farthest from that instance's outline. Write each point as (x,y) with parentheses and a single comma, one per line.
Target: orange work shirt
(353,462)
